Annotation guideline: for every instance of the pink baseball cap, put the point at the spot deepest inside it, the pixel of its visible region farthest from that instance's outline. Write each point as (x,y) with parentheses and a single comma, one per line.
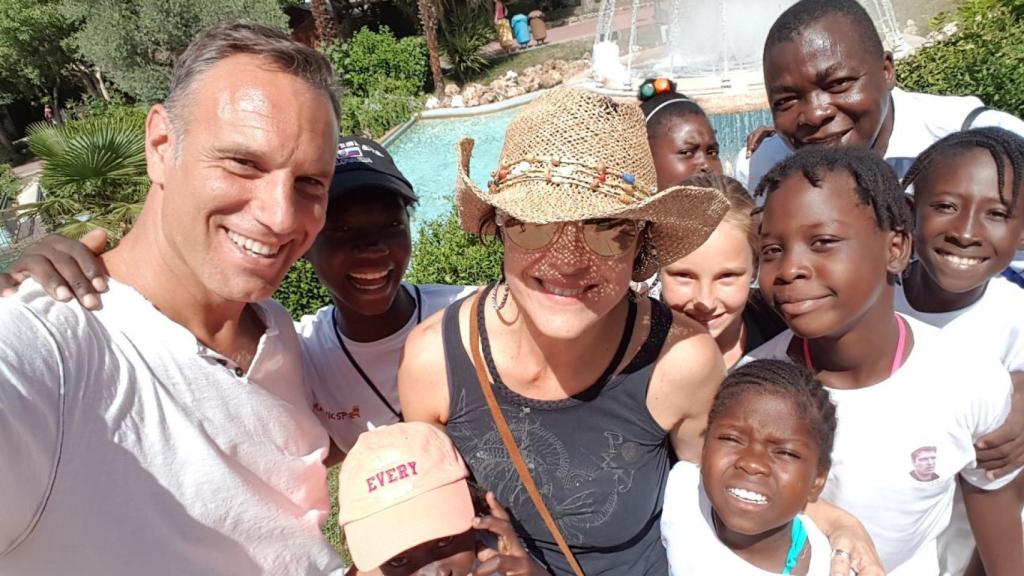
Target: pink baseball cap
(400,486)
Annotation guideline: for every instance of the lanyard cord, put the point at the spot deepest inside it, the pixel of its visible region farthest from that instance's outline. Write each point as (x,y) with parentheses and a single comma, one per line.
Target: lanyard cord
(797,539)
(359,369)
(896,362)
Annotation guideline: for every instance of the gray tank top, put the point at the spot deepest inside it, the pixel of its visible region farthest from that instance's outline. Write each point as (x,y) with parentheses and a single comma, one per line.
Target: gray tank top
(598,458)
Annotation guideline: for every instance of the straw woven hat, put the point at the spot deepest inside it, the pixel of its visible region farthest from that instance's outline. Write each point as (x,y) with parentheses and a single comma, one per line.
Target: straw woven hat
(572,155)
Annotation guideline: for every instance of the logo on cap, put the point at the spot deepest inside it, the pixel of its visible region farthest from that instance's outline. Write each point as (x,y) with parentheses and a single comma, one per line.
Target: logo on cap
(353,151)
(391,475)
(350,152)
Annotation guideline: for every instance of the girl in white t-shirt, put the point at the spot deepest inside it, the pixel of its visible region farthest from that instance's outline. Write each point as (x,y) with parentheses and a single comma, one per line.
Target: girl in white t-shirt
(911,402)
(969,213)
(766,454)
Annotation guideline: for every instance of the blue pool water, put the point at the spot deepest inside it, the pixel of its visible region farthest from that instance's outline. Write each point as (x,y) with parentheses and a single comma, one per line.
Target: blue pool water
(425,153)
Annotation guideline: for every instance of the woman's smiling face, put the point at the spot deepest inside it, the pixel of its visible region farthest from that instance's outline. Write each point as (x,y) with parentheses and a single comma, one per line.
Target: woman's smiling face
(565,287)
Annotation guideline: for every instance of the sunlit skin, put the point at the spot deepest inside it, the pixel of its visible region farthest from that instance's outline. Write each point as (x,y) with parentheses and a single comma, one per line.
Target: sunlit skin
(360,256)
(761,444)
(824,265)
(825,89)
(448,556)
(687,146)
(251,158)
(711,286)
(965,233)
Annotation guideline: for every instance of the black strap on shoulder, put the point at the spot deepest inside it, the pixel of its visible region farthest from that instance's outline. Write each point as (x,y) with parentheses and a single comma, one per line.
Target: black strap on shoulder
(973,115)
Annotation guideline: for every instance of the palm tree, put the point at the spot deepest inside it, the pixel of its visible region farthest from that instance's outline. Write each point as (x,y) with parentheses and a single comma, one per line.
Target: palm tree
(94,175)
(428,10)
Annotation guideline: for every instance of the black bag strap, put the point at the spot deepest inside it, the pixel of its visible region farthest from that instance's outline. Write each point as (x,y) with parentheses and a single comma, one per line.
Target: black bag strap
(973,115)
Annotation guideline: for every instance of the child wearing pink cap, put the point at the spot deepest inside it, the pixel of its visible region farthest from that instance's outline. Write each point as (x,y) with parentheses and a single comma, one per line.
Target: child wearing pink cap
(408,509)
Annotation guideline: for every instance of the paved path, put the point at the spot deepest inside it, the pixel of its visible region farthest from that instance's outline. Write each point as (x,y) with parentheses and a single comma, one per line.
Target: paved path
(30,169)
(587,29)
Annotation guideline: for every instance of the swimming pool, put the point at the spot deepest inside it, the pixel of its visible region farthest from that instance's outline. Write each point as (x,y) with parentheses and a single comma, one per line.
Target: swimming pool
(425,152)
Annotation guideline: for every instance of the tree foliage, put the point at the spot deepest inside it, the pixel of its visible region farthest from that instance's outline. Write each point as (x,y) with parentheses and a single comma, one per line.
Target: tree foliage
(34,60)
(984,58)
(136,42)
(10,186)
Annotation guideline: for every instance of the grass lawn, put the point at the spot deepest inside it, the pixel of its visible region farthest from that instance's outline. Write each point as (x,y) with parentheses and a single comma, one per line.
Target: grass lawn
(331,529)
(520,61)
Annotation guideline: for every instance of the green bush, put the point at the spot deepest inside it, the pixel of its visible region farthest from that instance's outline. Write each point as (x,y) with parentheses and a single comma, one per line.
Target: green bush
(10,186)
(985,58)
(378,62)
(374,115)
(445,254)
(116,107)
(301,292)
(463,32)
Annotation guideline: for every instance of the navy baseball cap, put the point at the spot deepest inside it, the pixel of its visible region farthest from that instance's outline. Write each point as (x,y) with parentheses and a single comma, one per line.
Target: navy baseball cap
(363,164)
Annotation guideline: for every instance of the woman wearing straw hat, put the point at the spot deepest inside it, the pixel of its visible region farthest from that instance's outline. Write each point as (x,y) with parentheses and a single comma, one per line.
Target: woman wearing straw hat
(565,392)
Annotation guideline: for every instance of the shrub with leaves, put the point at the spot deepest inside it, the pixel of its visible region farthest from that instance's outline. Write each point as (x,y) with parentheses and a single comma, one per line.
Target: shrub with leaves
(301,292)
(445,254)
(10,186)
(463,32)
(94,173)
(373,116)
(378,62)
(984,58)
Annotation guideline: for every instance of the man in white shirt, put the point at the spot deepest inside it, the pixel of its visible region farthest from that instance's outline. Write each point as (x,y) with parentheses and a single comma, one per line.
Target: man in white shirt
(830,82)
(169,433)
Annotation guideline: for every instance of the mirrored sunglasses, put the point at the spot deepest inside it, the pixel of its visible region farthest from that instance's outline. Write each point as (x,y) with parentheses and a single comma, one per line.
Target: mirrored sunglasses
(606,237)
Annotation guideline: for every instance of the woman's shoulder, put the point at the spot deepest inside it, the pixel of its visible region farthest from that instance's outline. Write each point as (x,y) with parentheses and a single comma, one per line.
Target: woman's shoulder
(428,336)
(688,344)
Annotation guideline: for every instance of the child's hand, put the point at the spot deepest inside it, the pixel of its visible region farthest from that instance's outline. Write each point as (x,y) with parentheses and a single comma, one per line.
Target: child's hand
(510,559)
(65,268)
(1002,451)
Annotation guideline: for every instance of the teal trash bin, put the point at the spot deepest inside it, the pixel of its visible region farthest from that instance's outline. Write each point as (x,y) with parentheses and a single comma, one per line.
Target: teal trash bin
(521,29)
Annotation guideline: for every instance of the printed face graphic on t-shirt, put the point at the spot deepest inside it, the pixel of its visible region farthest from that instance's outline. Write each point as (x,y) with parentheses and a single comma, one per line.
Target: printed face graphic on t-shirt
(924,464)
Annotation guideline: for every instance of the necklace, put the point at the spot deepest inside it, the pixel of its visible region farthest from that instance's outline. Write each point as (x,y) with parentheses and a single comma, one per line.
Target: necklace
(896,362)
(359,369)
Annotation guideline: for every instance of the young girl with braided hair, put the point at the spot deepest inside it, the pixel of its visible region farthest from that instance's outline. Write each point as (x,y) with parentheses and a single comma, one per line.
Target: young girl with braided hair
(969,214)
(911,401)
(766,454)
(679,132)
